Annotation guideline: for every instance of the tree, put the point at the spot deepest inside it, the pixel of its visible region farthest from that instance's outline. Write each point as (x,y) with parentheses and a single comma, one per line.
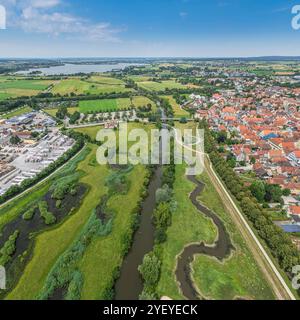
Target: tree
(164,194)
(62,113)
(221,136)
(150,270)
(286,192)
(258,190)
(15,140)
(273,193)
(252,160)
(162,215)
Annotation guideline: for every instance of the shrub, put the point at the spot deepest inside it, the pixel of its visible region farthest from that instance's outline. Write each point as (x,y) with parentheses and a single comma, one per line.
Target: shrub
(28,215)
(9,248)
(150,270)
(48,217)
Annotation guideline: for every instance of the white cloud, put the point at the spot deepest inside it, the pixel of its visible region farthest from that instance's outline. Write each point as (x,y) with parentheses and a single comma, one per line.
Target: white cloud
(46,16)
(45,3)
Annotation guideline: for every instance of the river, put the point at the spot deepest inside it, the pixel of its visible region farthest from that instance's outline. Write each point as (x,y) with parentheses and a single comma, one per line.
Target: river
(130,285)
(69,69)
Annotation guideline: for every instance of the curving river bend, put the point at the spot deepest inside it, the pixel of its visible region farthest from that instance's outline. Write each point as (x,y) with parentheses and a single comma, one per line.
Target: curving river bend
(221,249)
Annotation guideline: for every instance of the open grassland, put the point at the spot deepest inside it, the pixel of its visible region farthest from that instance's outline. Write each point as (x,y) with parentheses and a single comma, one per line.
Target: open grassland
(188,226)
(139,78)
(13,88)
(178,112)
(52,112)
(105,80)
(113,104)
(161,86)
(79,87)
(105,254)
(15,113)
(92,131)
(239,276)
(51,244)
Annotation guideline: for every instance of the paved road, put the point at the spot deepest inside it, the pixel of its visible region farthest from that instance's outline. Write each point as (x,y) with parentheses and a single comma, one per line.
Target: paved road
(278,284)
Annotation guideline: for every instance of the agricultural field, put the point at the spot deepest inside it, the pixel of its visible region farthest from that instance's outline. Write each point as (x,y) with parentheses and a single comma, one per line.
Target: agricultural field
(80,86)
(161,86)
(140,78)
(106,105)
(178,112)
(13,88)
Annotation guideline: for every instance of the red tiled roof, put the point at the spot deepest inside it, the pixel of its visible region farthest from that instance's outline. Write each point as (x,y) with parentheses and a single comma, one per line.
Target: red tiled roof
(295,210)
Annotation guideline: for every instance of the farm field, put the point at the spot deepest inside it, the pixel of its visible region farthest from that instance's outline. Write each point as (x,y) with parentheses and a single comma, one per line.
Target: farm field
(113,104)
(78,86)
(13,88)
(139,78)
(161,86)
(215,280)
(178,112)
(105,80)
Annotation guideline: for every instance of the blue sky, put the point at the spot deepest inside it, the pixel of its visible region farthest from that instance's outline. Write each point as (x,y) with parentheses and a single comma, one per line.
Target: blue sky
(131,28)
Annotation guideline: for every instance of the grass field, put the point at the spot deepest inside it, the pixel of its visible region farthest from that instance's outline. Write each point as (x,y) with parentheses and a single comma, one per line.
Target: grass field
(16,113)
(178,112)
(238,276)
(12,88)
(51,244)
(113,104)
(105,80)
(188,226)
(92,131)
(78,86)
(52,112)
(161,86)
(105,254)
(139,78)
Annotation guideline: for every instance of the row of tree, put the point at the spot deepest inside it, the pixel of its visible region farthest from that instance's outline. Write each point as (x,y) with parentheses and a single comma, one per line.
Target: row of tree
(150,269)
(278,242)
